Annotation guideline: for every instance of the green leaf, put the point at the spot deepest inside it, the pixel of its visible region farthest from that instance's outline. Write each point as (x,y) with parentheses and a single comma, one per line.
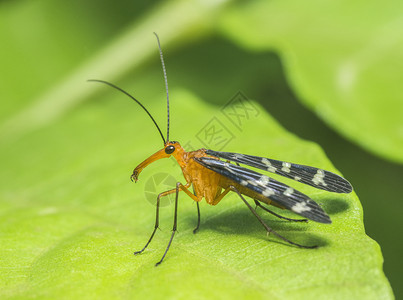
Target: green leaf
(343,59)
(71,218)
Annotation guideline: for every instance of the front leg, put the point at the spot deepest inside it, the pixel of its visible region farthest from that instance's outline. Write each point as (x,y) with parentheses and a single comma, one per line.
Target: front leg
(157,213)
(166,193)
(179,187)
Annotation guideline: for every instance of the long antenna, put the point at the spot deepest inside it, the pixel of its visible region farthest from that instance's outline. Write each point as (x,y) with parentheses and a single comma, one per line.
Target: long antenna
(166,82)
(137,101)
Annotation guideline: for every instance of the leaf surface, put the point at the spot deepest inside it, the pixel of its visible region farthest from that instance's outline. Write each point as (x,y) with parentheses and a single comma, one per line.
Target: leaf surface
(343,59)
(71,217)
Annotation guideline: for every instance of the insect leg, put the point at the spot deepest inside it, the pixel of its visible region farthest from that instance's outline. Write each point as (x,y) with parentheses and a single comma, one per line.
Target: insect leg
(178,185)
(198,218)
(156,224)
(277,215)
(268,229)
(215,201)
(166,193)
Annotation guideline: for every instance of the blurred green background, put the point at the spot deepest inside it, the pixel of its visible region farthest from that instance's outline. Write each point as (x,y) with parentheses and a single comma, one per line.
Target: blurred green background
(329,72)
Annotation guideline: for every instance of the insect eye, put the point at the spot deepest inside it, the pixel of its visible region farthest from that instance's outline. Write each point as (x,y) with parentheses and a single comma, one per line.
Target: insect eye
(169,149)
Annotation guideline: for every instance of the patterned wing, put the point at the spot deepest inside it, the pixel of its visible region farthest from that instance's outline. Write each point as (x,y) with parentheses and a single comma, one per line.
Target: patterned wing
(315,177)
(268,187)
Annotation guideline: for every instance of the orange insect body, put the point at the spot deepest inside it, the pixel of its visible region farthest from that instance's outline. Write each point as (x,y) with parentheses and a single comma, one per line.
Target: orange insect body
(206,183)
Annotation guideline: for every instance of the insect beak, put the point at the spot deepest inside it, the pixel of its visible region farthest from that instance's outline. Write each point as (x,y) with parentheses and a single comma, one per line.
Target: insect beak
(156,156)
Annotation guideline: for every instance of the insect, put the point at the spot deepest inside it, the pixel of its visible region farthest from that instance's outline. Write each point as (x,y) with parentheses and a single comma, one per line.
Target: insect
(214,174)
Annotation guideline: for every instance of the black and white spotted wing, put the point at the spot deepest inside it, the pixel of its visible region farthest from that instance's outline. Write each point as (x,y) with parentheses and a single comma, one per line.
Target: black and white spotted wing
(315,177)
(268,187)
